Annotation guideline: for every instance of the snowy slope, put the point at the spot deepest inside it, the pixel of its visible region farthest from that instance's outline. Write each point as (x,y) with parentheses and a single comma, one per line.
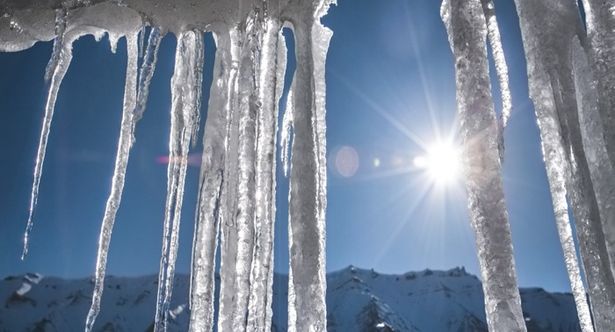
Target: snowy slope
(357,300)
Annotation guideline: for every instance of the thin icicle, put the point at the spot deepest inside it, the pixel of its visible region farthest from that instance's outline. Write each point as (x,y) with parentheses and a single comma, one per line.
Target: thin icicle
(147,70)
(228,243)
(467,31)
(501,68)
(210,190)
(186,95)
(282,54)
(64,56)
(272,69)
(548,50)
(119,174)
(58,41)
(307,199)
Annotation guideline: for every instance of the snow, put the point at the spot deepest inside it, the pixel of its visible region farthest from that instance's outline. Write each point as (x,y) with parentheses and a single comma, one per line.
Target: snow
(425,300)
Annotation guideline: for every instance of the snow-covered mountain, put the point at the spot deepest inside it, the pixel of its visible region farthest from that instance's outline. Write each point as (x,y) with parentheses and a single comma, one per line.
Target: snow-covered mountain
(357,300)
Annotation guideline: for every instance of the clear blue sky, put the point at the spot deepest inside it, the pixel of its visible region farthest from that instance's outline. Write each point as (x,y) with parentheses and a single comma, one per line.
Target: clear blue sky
(390,77)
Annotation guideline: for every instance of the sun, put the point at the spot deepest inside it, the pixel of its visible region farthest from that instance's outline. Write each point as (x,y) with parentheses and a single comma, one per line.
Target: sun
(442,162)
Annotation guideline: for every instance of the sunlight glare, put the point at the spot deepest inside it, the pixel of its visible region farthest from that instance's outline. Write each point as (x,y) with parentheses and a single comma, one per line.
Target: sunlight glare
(442,162)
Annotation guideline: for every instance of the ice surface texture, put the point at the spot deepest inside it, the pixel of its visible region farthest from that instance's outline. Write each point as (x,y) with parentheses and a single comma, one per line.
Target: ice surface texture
(236,204)
(571,82)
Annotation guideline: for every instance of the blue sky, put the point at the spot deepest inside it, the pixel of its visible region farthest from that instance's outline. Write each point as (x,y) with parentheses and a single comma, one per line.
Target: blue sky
(390,80)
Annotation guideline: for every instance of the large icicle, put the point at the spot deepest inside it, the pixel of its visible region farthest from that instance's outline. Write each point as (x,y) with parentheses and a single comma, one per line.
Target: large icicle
(60,68)
(600,19)
(467,31)
(119,173)
(555,163)
(186,94)
(210,190)
(271,82)
(548,51)
(249,109)
(307,199)
(601,169)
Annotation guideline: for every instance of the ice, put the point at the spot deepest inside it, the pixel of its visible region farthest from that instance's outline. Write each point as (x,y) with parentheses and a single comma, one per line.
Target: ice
(600,22)
(211,182)
(307,199)
(548,51)
(467,31)
(60,67)
(270,70)
(185,107)
(554,157)
(601,169)
(571,84)
(119,175)
(60,28)
(228,231)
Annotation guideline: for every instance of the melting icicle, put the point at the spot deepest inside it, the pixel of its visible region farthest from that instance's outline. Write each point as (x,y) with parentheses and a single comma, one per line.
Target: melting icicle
(307,199)
(117,187)
(467,35)
(548,51)
(271,76)
(64,57)
(186,95)
(210,190)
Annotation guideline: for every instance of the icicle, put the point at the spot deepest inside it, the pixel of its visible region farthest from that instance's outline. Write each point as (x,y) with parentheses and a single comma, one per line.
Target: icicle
(307,199)
(249,109)
(548,51)
(501,68)
(186,95)
(286,130)
(58,42)
(282,54)
(229,231)
(64,56)
(600,19)
(119,174)
(555,162)
(210,189)
(601,169)
(271,81)
(467,31)
(147,69)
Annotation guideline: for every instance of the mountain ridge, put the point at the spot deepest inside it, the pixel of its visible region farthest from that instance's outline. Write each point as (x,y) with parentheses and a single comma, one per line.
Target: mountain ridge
(357,300)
